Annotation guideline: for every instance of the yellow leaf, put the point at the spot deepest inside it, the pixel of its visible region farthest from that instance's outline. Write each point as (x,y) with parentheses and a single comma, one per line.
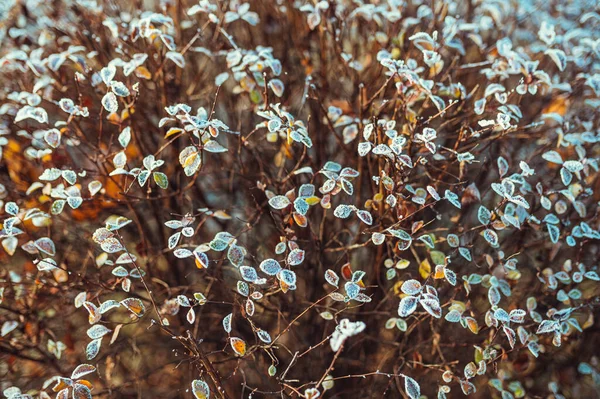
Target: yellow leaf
(425,268)
(402,264)
(238,345)
(143,73)
(397,287)
(222,215)
(172,131)
(472,324)
(284,287)
(300,220)
(439,272)
(190,160)
(312,200)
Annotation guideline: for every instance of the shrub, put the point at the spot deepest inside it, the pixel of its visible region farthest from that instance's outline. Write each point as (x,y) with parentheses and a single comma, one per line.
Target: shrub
(299,199)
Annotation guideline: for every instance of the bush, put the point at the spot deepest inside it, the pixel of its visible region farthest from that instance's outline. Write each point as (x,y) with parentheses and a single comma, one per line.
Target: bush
(299,199)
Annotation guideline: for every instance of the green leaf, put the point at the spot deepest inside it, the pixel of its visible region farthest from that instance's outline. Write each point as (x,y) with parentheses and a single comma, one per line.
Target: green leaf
(161,180)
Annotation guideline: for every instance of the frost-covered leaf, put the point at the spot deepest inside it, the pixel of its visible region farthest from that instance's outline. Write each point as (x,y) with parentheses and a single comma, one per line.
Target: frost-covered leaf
(412,388)
(432,306)
(332,278)
(279,202)
(92,349)
(177,58)
(295,257)
(200,389)
(559,58)
(248,273)
(110,103)
(342,211)
(270,267)
(411,287)
(277,86)
(81,370)
(134,305)
(365,216)
(407,306)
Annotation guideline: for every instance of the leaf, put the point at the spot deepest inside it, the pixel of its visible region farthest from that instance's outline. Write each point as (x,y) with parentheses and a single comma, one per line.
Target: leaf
(201,259)
(425,268)
(453,316)
(465,253)
(288,277)
(559,58)
(8,326)
(177,58)
(37,113)
(270,267)
(227,323)
(510,334)
(472,324)
(494,296)
(332,278)
(214,147)
(52,137)
(97,331)
(110,103)
(426,238)
(161,180)
(573,166)
(279,202)
(81,391)
(519,200)
(432,306)
(92,349)
(301,206)
(45,245)
(172,131)
(238,345)
(94,187)
(295,257)
(412,388)
(350,133)
(119,89)
(342,211)
(547,326)
(554,232)
(108,73)
(365,216)
(407,306)
(411,287)
(352,289)
(566,176)
(264,336)
(134,305)
(125,137)
(200,389)
(182,253)
(235,254)
(221,78)
(108,305)
(248,273)
(491,237)
(450,276)
(452,198)
(81,370)
(378,238)
(502,166)
(553,156)
(191,316)
(277,86)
